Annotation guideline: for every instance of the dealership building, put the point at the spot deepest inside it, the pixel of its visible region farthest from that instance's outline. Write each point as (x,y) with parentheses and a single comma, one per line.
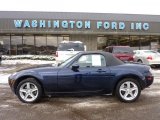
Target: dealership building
(40,32)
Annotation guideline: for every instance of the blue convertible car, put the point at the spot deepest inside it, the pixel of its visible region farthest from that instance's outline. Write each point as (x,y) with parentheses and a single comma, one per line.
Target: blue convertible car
(86,72)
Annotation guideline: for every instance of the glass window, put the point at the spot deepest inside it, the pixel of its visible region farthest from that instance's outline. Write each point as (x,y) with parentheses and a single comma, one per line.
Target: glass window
(113,40)
(154,42)
(16,45)
(51,44)
(61,38)
(145,42)
(28,45)
(41,45)
(5,45)
(135,42)
(101,43)
(123,40)
(92,60)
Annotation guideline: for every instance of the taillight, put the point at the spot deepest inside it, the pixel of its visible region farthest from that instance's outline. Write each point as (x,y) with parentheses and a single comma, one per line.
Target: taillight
(149,77)
(131,58)
(56,54)
(149,58)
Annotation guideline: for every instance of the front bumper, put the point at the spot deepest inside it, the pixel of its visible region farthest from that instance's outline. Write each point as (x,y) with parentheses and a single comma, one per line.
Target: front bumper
(11,83)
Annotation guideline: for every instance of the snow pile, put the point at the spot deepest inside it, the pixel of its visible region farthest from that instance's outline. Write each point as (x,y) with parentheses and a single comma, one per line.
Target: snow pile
(25,61)
(4,78)
(29,57)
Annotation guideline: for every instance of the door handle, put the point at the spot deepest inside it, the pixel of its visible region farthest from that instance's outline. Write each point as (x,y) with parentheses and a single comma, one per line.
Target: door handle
(100,70)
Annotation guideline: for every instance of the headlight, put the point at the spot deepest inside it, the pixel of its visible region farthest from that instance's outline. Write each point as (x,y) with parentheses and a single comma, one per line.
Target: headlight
(14,74)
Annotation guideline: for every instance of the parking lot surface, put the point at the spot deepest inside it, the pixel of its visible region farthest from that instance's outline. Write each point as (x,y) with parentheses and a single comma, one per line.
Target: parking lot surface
(105,107)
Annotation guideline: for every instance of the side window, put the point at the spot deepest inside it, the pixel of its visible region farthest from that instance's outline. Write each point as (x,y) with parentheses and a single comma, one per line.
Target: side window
(94,60)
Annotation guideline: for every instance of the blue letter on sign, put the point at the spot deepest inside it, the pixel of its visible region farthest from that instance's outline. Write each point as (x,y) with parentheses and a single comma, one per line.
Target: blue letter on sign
(114,26)
(65,24)
(106,25)
(99,24)
(121,25)
(72,24)
(56,24)
(18,23)
(87,24)
(42,23)
(146,26)
(34,23)
(26,24)
(79,24)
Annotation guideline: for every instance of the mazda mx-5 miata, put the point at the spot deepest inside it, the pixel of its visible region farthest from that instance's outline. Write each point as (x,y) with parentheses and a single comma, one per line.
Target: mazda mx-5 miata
(86,72)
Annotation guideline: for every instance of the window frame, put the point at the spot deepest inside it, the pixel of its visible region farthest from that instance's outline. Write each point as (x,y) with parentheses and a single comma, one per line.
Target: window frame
(101,55)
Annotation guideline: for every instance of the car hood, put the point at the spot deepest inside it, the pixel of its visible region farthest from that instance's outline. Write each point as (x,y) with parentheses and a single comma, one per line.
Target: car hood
(39,68)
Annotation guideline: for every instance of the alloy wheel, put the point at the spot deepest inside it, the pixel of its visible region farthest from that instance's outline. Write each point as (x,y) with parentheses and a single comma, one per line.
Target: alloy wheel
(28,92)
(128,90)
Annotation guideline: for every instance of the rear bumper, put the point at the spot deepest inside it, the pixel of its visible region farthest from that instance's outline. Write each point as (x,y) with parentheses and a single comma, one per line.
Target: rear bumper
(152,62)
(149,80)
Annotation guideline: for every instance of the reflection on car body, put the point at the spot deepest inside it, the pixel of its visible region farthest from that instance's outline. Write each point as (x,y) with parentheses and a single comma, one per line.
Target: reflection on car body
(91,72)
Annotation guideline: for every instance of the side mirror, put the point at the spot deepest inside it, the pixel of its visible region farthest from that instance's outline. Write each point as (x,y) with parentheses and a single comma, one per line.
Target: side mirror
(75,67)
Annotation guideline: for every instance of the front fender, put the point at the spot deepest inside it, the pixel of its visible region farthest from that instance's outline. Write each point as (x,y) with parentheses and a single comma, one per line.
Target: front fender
(30,73)
(16,78)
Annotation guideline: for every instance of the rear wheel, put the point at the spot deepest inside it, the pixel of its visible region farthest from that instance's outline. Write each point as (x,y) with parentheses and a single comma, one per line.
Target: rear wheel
(29,91)
(139,61)
(128,90)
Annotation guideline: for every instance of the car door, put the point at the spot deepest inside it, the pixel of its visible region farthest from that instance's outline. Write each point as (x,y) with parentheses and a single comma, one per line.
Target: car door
(91,74)
(94,71)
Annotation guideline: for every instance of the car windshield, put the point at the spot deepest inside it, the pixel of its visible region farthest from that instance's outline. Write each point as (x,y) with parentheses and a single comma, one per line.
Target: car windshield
(122,50)
(67,61)
(71,47)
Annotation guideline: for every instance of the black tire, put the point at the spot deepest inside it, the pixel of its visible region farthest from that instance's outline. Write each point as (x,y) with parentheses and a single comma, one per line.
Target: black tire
(128,95)
(139,61)
(31,94)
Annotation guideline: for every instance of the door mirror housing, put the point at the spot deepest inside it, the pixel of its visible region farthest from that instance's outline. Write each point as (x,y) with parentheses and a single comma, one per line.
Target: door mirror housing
(75,67)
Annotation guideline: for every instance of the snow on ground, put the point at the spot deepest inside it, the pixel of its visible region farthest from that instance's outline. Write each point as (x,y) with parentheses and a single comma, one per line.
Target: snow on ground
(4,78)
(4,68)
(13,62)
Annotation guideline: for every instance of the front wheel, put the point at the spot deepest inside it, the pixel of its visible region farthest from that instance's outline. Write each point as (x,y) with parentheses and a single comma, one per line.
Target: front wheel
(128,90)
(29,91)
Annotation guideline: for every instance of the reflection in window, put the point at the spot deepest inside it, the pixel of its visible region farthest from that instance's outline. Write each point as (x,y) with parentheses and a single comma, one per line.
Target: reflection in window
(124,40)
(101,43)
(51,44)
(16,45)
(155,42)
(145,42)
(28,45)
(113,40)
(40,45)
(135,42)
(5,45)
